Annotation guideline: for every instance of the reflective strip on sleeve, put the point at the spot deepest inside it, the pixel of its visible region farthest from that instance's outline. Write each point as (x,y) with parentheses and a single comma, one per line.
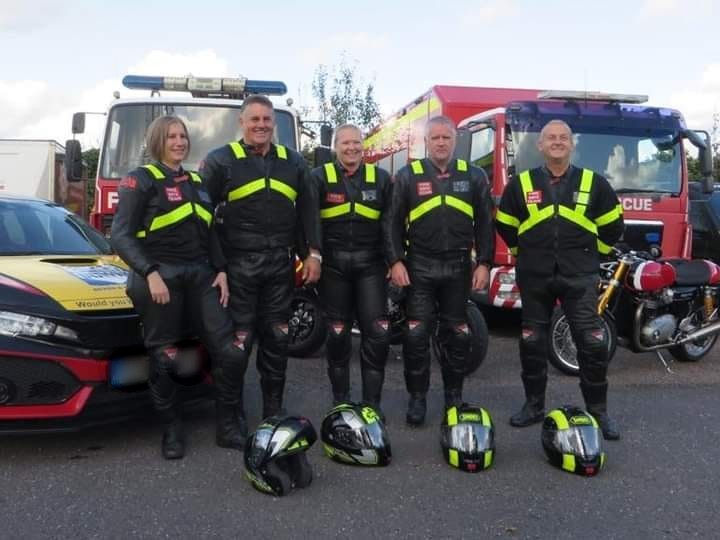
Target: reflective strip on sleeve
(172,217)
(335,211)
(424,208)
(246,190)
(416,167)
(461,205)
(330,173)
(237,150)
(609,217)
(283,188)
(156,172)
(369,173)
(281,151)
(366,211)
(462,165)
(507,219)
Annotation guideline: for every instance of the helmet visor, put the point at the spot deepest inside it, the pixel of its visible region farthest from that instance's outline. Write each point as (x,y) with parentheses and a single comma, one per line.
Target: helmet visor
(581,441)
(469,437)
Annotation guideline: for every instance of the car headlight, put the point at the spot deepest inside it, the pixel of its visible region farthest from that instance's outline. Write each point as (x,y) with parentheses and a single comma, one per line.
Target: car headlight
(17,324)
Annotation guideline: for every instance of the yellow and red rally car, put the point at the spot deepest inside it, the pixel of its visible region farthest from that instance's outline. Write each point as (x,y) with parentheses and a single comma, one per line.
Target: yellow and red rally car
(71,351)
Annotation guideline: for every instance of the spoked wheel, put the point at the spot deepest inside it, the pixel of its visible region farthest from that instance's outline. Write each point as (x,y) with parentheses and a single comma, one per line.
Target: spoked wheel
(563,351)
(306,329)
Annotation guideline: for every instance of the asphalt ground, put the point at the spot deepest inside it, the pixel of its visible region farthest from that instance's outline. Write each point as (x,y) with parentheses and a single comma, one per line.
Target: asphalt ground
(661,480)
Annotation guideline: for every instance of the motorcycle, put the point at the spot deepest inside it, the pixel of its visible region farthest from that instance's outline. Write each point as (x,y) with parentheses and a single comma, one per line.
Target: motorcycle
(649,305)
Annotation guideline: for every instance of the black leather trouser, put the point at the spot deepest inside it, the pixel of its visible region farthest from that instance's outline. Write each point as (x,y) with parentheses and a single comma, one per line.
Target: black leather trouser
(438,286)
(354,286)
(194,310)
(578,296)
(261,288)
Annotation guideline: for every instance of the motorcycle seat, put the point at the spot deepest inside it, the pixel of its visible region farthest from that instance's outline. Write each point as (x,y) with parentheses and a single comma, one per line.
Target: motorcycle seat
(694,272)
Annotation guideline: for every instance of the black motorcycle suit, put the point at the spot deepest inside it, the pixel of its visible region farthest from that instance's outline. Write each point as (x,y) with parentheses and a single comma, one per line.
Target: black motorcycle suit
(353,282)
(558,227)
(447,214)
(163,223)
(262,203)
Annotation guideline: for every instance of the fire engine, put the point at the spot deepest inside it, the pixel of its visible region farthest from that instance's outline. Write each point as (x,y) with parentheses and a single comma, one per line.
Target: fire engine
(210,109)
(638,148)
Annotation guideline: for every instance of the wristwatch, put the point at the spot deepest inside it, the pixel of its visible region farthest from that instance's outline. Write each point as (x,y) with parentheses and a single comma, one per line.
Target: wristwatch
(316,256)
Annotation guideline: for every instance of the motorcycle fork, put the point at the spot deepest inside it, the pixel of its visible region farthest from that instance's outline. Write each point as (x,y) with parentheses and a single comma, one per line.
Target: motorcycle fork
(613,285)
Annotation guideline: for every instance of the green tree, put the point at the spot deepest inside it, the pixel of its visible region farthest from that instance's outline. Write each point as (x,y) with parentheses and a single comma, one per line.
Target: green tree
(343,97)
(90,159)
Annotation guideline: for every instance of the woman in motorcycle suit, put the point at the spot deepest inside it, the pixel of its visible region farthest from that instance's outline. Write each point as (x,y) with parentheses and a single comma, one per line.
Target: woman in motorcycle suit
(163,230)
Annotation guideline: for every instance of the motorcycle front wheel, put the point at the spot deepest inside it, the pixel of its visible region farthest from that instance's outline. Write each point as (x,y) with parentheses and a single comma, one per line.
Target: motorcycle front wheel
(306,329)
(563,352)
(478,343)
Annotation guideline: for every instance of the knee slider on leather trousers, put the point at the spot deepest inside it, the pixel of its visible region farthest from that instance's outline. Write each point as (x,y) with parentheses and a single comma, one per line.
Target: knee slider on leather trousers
(534,348)
(276,337)
(231,364)
(416,332)
(376,342)
(339,341)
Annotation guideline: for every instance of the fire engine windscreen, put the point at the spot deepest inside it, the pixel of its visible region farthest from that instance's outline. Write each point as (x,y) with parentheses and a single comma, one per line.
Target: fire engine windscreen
(209,126)
(644,160)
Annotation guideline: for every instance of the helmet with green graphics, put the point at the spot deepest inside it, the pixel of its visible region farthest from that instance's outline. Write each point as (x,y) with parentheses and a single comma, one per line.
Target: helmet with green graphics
(355,433)
(467,437)
(275,454)
(573,441)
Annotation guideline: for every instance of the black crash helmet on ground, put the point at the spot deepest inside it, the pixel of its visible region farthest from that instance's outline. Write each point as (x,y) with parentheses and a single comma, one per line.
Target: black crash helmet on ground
(275,454)
(354,433)
(467,437)
(572,441)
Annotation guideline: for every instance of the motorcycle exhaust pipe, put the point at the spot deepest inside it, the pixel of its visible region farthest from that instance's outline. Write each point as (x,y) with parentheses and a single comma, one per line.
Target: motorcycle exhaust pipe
(698,334)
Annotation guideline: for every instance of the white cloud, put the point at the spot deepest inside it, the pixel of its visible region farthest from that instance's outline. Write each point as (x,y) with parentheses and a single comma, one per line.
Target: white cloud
(489,11)
(30,111)
(701,101)
(22,15)
(655,8)
(364,46)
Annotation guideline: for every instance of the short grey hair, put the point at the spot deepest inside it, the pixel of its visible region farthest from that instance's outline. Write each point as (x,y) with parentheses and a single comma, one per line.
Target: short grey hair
(556,122)
(344,127)
(440,121)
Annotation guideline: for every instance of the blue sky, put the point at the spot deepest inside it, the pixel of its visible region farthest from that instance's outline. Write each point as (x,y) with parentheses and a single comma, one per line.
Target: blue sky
(60,57)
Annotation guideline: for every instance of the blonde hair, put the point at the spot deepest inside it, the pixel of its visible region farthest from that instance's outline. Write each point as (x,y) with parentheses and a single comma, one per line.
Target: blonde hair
(157,133)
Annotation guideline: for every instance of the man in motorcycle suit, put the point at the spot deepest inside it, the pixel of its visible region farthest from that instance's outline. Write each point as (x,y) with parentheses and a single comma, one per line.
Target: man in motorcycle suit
(441,208)
(353,197)
(556,220)
(263,197)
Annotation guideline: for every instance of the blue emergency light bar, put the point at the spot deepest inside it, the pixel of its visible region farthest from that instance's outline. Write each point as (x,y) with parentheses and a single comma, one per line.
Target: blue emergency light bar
(205,86)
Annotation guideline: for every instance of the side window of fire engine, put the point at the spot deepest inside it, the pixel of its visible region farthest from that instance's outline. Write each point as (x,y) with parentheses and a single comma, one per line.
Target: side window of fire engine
(482,150)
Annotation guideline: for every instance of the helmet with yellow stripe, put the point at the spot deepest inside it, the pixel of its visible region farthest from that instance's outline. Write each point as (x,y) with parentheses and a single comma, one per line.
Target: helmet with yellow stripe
(572,441)
(467,437)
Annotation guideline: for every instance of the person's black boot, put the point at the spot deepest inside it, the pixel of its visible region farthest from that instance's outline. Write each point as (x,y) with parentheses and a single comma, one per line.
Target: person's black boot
(231,427)
(532,412)
(595,395)
(173,440)
(272,394)
(417,408)
(453,397)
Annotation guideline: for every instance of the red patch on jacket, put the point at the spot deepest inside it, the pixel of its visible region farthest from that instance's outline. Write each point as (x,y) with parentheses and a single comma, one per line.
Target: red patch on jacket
(534,197)
(129,182)
(182,178)
(424,188)
(173,194)
(335,197)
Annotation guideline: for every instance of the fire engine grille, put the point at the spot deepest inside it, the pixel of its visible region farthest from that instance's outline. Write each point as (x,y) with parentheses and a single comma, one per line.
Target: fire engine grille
(27,381)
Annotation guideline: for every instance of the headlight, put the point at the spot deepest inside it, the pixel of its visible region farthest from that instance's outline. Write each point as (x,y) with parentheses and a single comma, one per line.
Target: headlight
(17,324)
